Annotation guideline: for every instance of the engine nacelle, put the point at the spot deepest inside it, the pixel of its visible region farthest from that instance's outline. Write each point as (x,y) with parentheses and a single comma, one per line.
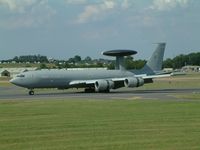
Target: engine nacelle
(103,85)
(133,82)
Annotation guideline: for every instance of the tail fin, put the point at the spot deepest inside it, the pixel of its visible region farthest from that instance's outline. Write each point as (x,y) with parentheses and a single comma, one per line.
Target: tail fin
(154,64)
(156,60)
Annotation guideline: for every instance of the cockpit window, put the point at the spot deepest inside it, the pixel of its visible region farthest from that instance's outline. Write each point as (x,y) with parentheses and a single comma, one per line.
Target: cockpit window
(20,75)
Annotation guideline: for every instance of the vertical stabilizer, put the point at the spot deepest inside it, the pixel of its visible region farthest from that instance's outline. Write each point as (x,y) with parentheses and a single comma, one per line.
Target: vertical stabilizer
(156,60)
(154,64)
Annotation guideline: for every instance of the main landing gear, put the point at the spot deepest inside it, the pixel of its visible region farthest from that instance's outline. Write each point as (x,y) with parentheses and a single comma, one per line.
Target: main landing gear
(31,92)
(89,90)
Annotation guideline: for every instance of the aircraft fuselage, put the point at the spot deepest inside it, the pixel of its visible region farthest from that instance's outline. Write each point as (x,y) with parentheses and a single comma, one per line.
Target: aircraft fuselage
(55,78)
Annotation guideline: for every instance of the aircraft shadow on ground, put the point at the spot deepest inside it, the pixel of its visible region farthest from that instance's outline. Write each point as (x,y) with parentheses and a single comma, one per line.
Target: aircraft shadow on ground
(124,92)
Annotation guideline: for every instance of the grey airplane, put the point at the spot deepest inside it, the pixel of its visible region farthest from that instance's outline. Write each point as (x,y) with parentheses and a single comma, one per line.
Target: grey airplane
(95,80)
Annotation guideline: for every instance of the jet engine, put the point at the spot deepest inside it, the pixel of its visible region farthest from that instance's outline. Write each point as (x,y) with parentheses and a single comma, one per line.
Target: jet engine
(133,82)
(103,85)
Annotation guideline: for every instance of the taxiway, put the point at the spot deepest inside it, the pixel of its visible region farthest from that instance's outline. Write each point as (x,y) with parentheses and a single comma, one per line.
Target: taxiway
(15,93)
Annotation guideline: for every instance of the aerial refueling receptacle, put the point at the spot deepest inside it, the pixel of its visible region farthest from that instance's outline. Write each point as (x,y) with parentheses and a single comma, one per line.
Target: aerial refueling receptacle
(119,54)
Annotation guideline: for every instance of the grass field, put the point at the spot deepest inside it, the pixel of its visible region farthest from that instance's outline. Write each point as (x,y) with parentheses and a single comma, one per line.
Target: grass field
(104,124)
(184,81)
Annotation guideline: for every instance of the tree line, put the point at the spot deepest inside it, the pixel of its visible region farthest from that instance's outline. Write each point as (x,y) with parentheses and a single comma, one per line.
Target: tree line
(28,58)
(31,59)
(77,62)
(182,60)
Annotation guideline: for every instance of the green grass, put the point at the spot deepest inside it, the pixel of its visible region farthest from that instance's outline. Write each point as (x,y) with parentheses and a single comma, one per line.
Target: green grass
(194,96)
(5,84)
(99,124)
(172,85)
(5,78)
(184,81)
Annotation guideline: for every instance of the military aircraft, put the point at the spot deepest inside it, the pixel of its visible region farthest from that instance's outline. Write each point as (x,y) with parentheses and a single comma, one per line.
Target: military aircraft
(95,80)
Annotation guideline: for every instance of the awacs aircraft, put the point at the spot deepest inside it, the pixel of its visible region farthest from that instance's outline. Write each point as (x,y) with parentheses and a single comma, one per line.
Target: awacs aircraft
(95,80)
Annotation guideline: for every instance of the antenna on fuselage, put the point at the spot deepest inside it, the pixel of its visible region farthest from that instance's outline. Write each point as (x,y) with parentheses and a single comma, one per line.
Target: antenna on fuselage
(119,54)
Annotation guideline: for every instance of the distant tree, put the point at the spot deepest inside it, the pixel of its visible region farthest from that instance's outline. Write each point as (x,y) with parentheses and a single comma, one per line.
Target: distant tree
(179,61)
(99,64)
(129,58)
(194,59)
(139,63)
(31,59)
(77,58)
(43,66)
(176,62)
(71,60)
(16,59)
(43,59)
(182,60)
(66,65)
(88,59)
(111,66)
(168,63)
(131,64)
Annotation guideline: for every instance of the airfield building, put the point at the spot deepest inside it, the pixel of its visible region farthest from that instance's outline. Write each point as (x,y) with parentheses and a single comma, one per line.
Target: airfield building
(11,72)
(4,73)
(191,69)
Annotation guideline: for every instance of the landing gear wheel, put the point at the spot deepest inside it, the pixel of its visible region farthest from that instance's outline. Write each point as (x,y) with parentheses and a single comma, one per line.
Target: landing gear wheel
(89,90)
(31,92)
(107,91)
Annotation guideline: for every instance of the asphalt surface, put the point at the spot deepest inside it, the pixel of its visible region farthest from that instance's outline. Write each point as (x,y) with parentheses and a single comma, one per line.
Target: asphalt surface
(16,93)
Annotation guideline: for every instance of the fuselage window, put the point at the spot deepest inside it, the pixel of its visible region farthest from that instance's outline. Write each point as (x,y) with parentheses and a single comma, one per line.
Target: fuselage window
(20,75)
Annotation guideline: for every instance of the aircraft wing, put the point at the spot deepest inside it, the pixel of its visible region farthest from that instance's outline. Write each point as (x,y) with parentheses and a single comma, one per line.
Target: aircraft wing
(82,82)
(119,82)
(149,78)
(144,76)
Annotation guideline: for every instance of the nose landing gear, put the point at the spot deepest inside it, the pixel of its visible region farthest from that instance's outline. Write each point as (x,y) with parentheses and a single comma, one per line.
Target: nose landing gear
(31,92)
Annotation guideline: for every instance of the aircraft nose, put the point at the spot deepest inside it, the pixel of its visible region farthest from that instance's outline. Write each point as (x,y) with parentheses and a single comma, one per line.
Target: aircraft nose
(13,81)
(19,82)
(16,81)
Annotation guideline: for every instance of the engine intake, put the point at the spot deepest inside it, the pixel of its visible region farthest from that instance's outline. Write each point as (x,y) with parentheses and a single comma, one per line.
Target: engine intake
(133,82)
(103,85)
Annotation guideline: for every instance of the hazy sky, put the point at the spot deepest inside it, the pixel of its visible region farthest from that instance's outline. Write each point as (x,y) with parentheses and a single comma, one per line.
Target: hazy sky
(64,28)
